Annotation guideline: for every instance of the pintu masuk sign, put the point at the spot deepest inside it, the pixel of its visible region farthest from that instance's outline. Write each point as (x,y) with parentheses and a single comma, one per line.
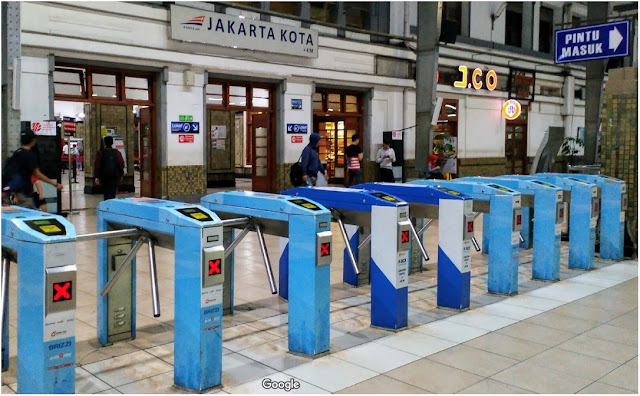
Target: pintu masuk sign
(592,42)
(192,24)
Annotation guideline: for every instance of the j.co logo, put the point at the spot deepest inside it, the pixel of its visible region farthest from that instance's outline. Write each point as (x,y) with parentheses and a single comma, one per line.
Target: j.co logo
(489,81)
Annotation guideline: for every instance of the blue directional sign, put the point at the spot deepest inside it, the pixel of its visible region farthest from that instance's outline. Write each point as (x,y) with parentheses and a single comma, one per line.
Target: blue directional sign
(592,42)
(185,127)
(297,128)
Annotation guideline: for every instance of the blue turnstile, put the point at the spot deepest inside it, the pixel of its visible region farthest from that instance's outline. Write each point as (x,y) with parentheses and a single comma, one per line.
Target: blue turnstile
(390,226)
(195,235)
(614,201)
(584,210)
(44,248)
(502,208)
(308,227)
(455,231)
(547,212)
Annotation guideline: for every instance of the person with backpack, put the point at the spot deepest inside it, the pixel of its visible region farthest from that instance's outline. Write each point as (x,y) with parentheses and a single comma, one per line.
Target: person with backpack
(109,168)
(310,161)
(17,171)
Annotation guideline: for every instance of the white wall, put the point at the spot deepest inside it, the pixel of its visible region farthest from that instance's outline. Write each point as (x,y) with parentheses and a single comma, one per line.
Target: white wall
(67,109)
(480,26)
(541,117)
(302,91)
(386,115)
(483,135)
(185,100)
(34,89)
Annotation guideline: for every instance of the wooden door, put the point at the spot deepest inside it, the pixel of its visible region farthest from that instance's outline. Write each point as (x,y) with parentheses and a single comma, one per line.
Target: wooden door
(146,147)
(516,144)
(263,147)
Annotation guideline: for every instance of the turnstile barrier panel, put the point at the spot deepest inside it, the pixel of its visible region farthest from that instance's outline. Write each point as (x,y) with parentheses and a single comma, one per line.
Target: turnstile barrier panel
(404,235)
(48,227)
(323,248)
(212,266)
(517,219)
(61,284)
(364,256)
(468,226)
(624,202)
(595,211)
(119,321)
(559,212)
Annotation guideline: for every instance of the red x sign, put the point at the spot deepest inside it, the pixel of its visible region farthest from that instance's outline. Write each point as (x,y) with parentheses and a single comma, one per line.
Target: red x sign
(62,291)
(325,249)
(214,267)
(404,237)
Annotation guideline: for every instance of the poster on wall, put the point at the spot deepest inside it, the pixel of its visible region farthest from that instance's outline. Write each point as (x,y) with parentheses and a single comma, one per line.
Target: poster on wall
(44,128)
(221,144)
(218,132)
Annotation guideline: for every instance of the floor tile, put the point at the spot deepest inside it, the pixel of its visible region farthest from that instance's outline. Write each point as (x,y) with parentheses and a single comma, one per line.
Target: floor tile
(603,349)
(561,322)
(161,383)
(490,386)
(626,376)
(589,279)
(376,357)
(627,321)
(330,373)
(473,360)
(128,368)
(450,331)
(615,334)
(164,352)
(601,388)
(434,377)
(382,384)
(238,369)
(575,364)
(584,312)
(111,391)
(538,334)
(340,341)
(244,336)
(415,343)
(274,354)
(88,383)
(527,301)
(6,390)
(481,320)
(507,346)
(509,311)
(539,379)
(567,292)
(259,386)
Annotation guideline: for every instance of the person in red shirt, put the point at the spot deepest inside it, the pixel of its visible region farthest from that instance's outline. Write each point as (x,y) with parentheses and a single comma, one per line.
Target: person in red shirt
(109,168)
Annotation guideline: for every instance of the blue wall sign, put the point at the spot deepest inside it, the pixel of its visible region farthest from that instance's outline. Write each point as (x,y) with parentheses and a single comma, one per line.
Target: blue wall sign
(592,42)
(185,127)
(297,128)
(296,104)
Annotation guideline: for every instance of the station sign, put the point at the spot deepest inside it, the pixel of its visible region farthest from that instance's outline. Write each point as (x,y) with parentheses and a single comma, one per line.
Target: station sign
(296,104)
(185,127)
(585,43)
(296,139)
(44,128)
(297,128)
(186,138)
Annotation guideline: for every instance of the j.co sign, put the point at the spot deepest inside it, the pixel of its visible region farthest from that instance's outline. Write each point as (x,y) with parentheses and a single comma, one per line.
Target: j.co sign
(476,79)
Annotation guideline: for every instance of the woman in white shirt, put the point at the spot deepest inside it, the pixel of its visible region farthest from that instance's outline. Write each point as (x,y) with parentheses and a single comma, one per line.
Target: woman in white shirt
(386,157)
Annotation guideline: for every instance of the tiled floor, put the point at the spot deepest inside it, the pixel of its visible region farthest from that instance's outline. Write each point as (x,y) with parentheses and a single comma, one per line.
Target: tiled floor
(579,335)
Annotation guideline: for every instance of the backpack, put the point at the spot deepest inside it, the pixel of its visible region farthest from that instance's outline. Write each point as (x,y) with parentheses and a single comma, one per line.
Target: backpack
(12,179)
(109,166)
(295,174)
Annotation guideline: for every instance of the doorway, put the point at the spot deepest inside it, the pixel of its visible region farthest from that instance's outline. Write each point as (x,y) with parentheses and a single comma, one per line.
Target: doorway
(515,146)
(146,141)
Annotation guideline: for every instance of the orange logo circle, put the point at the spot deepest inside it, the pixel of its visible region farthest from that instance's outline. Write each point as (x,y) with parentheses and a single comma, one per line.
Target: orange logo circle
(511,109)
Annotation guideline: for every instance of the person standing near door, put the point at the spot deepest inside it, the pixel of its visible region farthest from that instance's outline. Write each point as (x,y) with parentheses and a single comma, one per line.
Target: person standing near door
(386,157)
(109,167)
(310,161)
(354,159)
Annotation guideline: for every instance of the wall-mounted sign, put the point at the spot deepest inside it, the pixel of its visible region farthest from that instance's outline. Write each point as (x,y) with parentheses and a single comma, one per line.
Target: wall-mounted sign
(186,138)
(296,104)
(511,109)
(521,84)
(592,42)
(396,135)
(185,118)
(477,79)
(69,128)
(297,128)
(185,127)
(296,139)
(44,128)
(192,24)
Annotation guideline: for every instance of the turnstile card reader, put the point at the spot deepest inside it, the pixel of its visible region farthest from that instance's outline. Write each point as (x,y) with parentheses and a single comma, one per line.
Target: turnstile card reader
(390,226)
(45,249)
(502,211)
(455,218)
(546,200)
(584,210)
(307,224)
(195,235)
(614,201)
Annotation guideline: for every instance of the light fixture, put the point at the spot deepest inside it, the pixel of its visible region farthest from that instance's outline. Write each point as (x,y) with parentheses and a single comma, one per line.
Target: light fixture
(451,115)
(241,16)
(330,109)
(95,94)
(450,106)
(81,115)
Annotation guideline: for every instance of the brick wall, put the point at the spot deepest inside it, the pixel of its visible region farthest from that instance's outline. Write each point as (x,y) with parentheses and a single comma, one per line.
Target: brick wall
(183,181)
(619,136)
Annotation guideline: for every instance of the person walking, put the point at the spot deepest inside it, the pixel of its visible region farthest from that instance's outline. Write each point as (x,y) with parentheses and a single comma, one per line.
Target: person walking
(17,172)
(354,159)
(109,168)
(386,157)
(310,161)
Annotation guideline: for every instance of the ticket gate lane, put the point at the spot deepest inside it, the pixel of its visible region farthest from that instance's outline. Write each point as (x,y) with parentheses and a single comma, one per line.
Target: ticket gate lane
(389,266)
(613,199)
(548,209)
(307,225)
(454,211)
(584,210)
(195,235)
(44,246)
(502,219)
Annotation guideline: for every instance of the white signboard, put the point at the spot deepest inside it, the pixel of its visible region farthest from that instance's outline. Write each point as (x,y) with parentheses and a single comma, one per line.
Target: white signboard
(44,128)
(192,24)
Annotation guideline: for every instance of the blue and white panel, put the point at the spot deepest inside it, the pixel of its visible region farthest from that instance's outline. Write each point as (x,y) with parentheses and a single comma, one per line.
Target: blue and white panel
(348,274)
(283,272)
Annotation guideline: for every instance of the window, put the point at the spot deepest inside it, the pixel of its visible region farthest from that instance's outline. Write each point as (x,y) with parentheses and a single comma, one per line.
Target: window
(358,14)
(452,11)
(285,7)
(260,97)
(324,12)
(103,85)
(69,82)
(546,29)
(214,94)
(317,101)
(333,103)
(575,21)
(351,104)
(136,88)
(513,27)
(237,96)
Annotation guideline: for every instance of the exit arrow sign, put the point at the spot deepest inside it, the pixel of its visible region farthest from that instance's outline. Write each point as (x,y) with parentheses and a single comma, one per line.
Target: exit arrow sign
(585,43)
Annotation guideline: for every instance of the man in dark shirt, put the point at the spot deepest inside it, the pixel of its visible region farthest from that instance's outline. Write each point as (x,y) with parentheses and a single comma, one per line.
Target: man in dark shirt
(354,158)
(109,168)
(25,163)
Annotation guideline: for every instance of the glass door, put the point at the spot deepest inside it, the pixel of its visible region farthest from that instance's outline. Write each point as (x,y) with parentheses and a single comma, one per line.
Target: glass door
(516,144)
(262,153)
